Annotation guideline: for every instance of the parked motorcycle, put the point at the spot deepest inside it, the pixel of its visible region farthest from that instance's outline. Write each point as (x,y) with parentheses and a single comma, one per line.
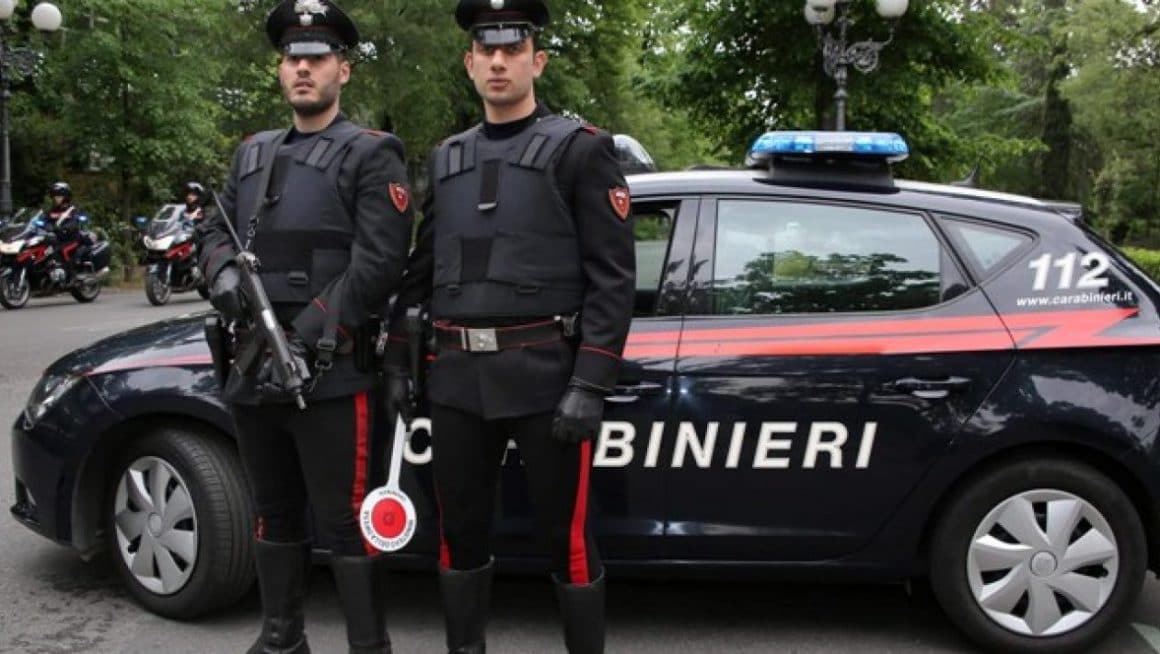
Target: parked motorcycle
(170,256)
(33,263)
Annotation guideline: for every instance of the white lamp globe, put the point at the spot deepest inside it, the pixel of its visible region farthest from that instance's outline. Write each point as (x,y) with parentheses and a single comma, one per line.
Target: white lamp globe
(820,5)
(7,7)
(46,17)
(818,16)
(891,8)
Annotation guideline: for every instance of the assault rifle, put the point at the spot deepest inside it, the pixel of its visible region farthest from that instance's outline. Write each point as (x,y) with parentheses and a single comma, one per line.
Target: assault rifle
(267,331)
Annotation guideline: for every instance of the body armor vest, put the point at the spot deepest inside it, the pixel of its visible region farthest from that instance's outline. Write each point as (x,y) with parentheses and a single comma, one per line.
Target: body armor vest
(506,244)
(302,229)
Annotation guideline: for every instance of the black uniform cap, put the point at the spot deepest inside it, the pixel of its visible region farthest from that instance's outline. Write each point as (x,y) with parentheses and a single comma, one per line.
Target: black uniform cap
(310,27)
(501,22)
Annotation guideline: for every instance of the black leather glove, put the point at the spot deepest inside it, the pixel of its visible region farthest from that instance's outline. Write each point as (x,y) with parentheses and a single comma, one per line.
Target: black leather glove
(268,379)
(399,396)
(227,296)
(579,413)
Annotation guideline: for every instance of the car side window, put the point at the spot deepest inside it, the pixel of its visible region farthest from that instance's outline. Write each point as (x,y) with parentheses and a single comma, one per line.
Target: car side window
(653,230)
(988,246)
(786,257)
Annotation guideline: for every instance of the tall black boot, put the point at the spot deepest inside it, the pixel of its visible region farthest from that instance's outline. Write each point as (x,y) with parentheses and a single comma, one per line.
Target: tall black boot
(466,601)
(282,569)
(362,591)
(582,607)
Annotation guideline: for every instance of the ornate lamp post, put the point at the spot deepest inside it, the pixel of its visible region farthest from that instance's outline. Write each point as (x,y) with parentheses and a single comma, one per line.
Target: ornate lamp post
(22,61)
(831,19)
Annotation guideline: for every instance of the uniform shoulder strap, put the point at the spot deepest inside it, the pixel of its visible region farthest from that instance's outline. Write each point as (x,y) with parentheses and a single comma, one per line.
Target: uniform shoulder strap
(257,146)
(456,155)
(542,141)
(329,144)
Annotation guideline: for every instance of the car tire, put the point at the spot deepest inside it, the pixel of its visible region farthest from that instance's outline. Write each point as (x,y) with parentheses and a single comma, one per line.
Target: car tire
(1002,556)
(157,291)
(178,497)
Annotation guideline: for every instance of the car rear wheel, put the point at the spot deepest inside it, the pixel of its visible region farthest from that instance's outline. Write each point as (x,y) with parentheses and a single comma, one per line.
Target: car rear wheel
(1038,556)
(179,523)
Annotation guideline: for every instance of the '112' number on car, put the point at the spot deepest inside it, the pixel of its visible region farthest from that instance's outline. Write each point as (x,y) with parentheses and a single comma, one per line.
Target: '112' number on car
(1094,264)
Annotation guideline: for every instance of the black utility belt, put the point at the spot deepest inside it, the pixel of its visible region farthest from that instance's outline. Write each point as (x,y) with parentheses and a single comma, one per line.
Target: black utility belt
(493,339)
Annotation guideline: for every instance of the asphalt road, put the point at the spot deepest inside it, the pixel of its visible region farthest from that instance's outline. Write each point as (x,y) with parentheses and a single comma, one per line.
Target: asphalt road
(54,603)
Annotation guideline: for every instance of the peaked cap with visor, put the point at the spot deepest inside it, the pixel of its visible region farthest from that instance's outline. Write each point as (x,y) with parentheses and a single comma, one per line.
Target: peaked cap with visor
(501,22)
(304,28)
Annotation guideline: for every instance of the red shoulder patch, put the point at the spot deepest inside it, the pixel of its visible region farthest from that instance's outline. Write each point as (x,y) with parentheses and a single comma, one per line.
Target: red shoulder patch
(621,201)
(374,132)
(400,196)
(590,128)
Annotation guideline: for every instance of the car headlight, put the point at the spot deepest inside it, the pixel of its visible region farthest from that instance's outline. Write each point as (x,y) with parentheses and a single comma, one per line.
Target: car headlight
(48,391)
(13,247)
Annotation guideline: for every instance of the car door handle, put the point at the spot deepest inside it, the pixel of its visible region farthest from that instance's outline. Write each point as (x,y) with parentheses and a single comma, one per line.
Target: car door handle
(628,393)
(928,389)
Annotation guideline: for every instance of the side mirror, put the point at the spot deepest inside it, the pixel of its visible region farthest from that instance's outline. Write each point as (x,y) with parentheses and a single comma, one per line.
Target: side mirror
(139,222)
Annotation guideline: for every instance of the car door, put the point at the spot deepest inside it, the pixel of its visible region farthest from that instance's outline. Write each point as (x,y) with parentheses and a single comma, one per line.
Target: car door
(832,351)
(628,500)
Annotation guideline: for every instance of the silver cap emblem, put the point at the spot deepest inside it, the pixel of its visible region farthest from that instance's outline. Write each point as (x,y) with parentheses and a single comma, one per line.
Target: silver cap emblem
(306,9)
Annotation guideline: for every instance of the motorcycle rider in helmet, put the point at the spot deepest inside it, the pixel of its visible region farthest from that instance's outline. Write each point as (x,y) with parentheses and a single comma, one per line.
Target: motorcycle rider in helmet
(66,221)
(194,198)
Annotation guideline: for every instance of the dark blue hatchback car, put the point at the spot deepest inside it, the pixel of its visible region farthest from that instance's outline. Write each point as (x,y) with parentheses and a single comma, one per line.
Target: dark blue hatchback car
(831,374)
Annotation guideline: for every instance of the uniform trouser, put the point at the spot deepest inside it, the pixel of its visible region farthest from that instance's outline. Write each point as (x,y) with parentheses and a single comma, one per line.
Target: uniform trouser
(468,451)
(323,455)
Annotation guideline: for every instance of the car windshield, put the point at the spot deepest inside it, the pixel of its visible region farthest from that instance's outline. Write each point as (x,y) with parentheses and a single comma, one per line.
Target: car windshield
(167,221)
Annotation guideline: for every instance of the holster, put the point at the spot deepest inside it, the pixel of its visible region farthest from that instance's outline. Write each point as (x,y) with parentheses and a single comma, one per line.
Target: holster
(218,340)
(365,350)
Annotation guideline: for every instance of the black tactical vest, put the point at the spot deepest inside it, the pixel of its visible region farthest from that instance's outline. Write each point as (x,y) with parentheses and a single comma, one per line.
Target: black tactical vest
(304,229)
(506,243)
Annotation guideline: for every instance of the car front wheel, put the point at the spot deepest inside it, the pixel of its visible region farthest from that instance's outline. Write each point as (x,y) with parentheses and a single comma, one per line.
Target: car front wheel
(179,523)
(1038,556)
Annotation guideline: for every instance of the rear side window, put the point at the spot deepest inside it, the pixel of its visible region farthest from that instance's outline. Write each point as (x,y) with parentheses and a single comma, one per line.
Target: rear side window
(786,257)
(652,224)
(987,246)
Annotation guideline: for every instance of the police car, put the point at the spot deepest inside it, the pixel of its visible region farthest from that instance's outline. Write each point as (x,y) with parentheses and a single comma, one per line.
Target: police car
(831,374)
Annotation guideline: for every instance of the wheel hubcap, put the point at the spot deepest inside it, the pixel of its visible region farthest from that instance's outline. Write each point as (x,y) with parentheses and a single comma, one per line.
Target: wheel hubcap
(155,525)
(1043,562)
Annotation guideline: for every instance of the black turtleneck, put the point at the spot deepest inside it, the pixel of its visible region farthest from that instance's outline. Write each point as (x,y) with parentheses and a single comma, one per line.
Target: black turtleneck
(504,131)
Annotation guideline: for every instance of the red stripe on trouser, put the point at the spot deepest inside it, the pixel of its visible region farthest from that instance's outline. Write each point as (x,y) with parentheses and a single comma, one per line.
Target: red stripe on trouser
(444,552)
(578,545)
(359,492)
(260,528)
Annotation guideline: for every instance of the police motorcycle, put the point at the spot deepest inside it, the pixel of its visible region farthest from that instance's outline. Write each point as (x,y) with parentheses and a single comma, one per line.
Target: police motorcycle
(34,263)
(170,242)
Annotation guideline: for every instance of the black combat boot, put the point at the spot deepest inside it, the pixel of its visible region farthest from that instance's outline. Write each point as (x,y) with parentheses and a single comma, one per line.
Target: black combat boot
(282,569)
(362,591)
(582,607)
(466,601)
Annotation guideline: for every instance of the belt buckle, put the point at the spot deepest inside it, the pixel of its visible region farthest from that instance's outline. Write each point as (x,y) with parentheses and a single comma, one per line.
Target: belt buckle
(479,340)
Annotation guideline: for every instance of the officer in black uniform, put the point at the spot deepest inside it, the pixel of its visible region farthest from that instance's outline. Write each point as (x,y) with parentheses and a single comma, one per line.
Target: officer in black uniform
(67,223)
(525,259)
(325,207)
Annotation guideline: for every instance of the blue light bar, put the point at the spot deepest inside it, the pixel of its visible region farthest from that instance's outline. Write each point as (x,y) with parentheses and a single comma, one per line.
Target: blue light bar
(885,146)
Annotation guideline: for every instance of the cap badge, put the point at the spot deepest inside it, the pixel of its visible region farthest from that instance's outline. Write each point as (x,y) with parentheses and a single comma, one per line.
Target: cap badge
(497,4)
(306,10)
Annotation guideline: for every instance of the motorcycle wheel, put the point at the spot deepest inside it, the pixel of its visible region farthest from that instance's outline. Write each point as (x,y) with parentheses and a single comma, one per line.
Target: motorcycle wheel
(157,291)
(87,291)
(15,296)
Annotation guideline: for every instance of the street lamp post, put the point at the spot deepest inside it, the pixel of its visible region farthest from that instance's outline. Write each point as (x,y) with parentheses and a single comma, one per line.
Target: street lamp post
(21,60)
(831,19)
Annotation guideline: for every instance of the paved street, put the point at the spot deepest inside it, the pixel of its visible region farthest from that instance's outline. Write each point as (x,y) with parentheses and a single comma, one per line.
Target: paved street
(54,603)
